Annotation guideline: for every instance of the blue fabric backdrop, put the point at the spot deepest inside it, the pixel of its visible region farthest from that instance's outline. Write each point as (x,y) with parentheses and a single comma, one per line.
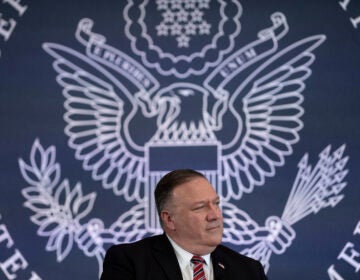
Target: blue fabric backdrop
(100,98)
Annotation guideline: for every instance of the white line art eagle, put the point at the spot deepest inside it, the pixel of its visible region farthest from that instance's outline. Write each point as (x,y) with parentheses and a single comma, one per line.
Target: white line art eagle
(262,110)
(252,115)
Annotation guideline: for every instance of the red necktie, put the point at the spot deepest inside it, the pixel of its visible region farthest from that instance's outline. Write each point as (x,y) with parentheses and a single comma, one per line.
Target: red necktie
(199,273)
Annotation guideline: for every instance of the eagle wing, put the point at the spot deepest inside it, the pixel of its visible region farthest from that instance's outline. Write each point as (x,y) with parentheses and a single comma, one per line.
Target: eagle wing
(95,105)
(271,117)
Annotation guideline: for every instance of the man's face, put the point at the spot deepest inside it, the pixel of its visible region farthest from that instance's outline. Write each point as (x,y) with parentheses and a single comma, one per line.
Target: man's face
(194,217)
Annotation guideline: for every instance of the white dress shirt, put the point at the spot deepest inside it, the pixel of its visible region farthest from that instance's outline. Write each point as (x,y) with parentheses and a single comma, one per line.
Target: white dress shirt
(186,266)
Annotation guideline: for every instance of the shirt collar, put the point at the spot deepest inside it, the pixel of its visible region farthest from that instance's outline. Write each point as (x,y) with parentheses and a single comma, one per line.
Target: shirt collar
(184,256)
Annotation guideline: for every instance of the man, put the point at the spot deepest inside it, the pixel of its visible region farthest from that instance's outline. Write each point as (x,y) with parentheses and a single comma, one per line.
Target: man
(189,249)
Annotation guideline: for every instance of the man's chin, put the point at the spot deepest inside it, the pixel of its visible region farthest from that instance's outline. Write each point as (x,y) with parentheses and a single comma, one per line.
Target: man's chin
(215,238)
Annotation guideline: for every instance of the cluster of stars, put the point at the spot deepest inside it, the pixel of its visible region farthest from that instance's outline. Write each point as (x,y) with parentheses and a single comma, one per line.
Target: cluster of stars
(182,19)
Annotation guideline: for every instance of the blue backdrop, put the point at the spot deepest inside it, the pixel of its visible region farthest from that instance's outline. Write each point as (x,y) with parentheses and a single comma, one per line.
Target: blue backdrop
(100,98)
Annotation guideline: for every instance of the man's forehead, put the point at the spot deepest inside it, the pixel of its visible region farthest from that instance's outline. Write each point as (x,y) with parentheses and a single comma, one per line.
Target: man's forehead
(206,199)
(197,186)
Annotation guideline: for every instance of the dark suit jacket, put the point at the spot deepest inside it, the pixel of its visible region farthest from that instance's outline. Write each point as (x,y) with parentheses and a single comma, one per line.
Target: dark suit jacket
(154,258)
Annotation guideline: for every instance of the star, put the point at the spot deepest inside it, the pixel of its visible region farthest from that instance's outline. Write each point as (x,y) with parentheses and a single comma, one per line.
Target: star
(197,15)
(162,29)
(190,29)
(204,28)
(168,16)
(175,29)
(183,41)
(182,16)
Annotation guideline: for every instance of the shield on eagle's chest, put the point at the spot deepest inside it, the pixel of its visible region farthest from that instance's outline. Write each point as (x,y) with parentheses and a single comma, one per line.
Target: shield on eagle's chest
(162,158)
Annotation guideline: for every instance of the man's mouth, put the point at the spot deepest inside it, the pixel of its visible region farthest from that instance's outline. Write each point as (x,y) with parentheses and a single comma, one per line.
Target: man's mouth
(213,227)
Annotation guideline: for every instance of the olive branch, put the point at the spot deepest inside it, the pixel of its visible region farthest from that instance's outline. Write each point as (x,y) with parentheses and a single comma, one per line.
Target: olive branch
(57,209)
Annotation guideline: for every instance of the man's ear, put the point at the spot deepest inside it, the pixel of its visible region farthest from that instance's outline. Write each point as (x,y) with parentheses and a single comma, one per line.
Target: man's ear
(167,220)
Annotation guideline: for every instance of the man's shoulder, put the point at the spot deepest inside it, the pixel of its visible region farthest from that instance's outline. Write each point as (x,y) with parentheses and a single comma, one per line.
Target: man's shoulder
(228,253)
(236,264)
(139,244)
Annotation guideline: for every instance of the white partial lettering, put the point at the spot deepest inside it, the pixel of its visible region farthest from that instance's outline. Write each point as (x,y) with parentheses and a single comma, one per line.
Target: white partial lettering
(333,274)
(349,255)
(5,236)
(13,264)
(357,228)
(6,28)
(16,5)
(250,53)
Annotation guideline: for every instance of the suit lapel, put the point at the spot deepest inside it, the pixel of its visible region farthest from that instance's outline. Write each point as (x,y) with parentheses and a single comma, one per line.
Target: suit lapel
(165,255)
(219,265)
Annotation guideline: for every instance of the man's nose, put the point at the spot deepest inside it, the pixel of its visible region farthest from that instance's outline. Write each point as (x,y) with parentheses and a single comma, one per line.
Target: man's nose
(214,212)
